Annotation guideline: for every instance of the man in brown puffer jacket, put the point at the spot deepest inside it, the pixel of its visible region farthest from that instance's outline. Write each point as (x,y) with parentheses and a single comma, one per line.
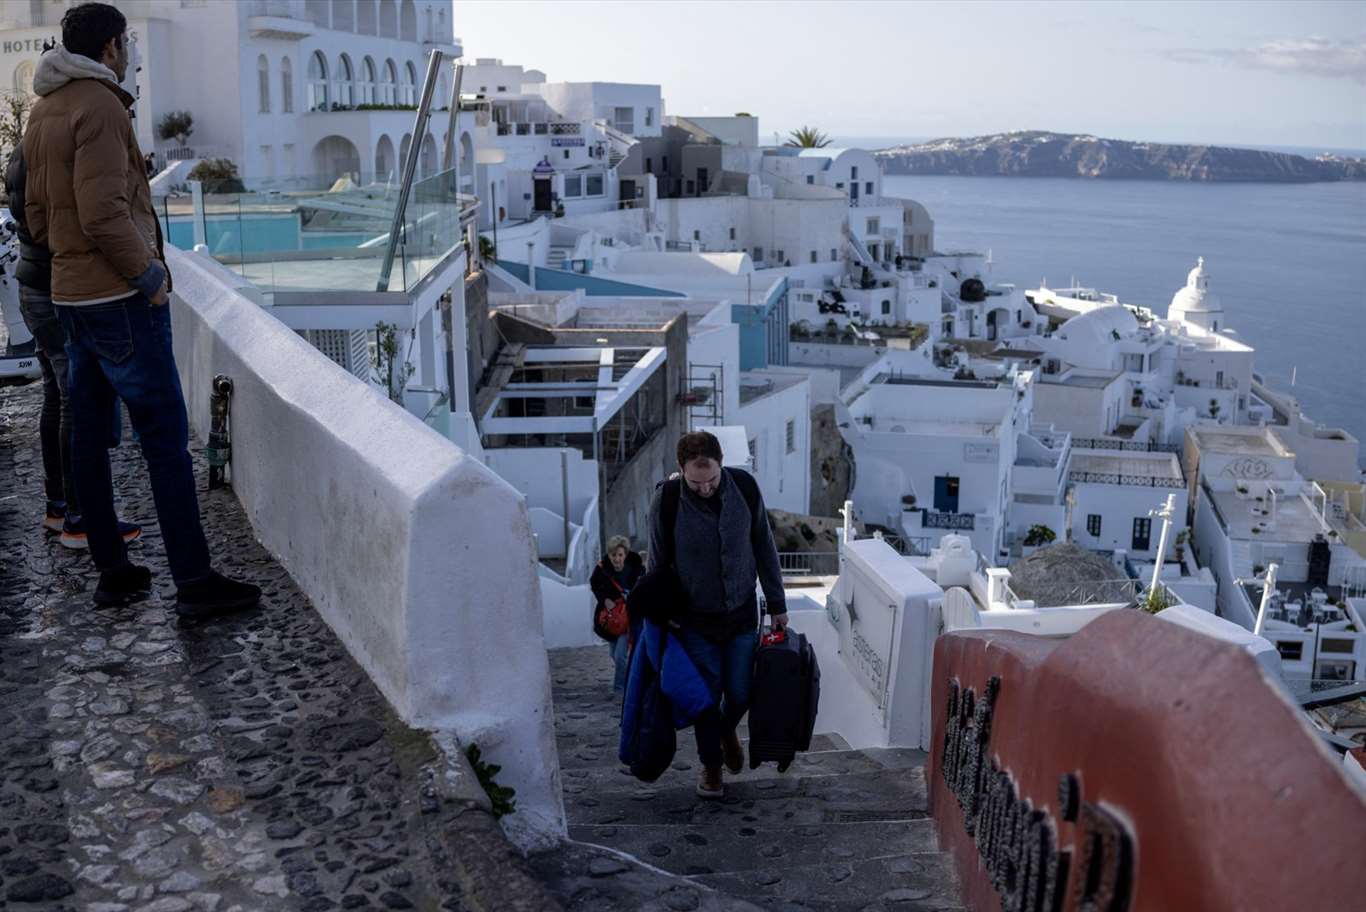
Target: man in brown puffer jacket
(89,203)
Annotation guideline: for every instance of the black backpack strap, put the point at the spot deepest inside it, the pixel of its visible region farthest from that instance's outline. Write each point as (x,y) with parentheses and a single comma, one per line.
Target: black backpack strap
(668,517)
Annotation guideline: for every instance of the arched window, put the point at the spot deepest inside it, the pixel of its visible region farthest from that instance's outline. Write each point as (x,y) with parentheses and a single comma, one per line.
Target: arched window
(388,86)
(287,86)
(408,21)
(23,77)
(318,96)
(388,19)
(365,18)
(410,84)
(346,77)
(430,34)
(319,12)
(367,81)
(344,15)
(263,84)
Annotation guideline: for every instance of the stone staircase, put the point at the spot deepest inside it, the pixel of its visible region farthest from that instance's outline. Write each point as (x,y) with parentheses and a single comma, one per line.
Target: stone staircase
(558,257)
(841,831)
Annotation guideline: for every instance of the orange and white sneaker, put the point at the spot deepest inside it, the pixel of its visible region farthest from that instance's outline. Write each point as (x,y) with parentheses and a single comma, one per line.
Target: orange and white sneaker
(56,515)
(73,533)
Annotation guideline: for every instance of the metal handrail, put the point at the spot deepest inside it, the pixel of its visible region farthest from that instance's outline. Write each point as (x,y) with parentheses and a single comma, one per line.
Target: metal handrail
(424,113)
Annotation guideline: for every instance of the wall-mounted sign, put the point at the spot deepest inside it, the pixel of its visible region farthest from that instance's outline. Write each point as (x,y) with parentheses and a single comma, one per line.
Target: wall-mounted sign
(566,140)
(26,45)
(981,452)
(1017,842)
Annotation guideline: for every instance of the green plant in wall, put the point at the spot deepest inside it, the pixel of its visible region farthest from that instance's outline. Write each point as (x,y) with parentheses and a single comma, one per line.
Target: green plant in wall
(487,251)
(1156,600)
(389,368)
(1039,535)
(503,797)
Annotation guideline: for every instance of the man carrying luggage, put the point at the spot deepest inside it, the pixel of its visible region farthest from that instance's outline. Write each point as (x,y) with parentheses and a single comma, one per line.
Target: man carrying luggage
(711,526)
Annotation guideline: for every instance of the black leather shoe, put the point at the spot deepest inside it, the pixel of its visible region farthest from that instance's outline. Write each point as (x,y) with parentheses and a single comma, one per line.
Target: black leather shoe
(214,595)
(123,584)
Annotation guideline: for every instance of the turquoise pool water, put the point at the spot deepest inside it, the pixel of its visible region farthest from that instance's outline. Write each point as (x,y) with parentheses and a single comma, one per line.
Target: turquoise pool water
(256,235)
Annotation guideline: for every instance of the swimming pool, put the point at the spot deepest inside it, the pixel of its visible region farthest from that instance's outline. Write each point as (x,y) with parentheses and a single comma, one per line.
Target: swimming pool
(258,234)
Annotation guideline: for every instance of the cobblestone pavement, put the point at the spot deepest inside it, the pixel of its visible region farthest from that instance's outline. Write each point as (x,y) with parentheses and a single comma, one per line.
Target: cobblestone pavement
(238,765)
(841,831)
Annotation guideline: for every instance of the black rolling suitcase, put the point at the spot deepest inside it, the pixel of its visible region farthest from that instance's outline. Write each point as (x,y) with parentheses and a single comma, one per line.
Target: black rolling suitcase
(783,698)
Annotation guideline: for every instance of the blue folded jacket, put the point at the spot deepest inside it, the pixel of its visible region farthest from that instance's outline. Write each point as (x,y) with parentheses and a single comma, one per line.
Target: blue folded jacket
(662,685)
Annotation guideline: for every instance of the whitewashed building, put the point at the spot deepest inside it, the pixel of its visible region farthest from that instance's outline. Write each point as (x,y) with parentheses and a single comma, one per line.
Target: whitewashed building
(294,92)
(1251,509)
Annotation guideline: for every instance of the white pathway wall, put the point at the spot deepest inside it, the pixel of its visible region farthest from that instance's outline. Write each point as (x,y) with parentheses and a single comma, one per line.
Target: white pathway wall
(406,546)
(875,645)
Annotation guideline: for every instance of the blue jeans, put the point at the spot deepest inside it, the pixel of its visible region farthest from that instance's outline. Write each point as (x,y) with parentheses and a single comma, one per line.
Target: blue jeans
(621,650)
(729,669)
(122,350)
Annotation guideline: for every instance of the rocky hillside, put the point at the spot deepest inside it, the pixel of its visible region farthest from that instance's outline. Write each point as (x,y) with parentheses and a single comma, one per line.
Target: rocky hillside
(1042,154)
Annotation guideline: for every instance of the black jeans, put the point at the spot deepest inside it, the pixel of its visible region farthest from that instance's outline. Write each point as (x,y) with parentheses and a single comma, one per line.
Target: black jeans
(123,349)
(54,422)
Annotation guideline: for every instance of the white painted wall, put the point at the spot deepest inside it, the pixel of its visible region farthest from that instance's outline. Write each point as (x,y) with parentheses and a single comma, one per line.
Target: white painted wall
(784,477)
(536,472)
(885,644)
(597,101)
(404,545)
(1118,506)
(568,615)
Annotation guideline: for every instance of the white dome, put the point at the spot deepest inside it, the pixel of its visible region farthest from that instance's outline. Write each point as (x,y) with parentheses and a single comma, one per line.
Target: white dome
(1097,328)
(1196,303)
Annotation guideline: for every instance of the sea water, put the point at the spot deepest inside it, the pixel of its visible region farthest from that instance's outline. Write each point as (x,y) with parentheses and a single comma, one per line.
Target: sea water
(1288,261)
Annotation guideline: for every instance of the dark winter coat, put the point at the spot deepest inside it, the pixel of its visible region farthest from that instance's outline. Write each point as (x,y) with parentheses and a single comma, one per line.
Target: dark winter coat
(601,581)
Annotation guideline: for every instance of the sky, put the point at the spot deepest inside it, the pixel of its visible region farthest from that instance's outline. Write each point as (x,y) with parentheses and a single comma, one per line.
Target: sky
(1245,73)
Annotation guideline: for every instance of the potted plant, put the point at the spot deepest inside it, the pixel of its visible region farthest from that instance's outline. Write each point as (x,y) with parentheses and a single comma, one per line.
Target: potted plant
(1038,536)
(1181,538)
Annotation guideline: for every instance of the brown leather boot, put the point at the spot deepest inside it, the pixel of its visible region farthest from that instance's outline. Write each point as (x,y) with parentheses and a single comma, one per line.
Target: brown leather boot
(733,753)
(710,785)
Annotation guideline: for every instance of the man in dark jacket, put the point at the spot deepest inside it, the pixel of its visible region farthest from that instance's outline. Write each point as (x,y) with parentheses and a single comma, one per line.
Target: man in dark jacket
(34,275)
(89,203)
(719,543)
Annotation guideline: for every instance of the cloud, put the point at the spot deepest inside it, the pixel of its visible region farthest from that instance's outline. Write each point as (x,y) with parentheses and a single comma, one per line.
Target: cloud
(1312,56)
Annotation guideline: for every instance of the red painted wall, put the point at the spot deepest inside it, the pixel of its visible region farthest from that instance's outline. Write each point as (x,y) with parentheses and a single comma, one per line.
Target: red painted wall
(1232,803)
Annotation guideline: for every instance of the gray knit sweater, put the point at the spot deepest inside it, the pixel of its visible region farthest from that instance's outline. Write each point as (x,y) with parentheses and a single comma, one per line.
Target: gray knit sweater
(718,555)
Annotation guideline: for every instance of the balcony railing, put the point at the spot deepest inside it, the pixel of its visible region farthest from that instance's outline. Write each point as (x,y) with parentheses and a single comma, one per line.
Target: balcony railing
(539,128)
(809,563)
(1123,591)
(1131,481)
(952,521)
(909,545)
(1133,446)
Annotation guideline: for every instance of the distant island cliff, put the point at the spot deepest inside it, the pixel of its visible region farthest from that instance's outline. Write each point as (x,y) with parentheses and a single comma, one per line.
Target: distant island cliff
(1042,154)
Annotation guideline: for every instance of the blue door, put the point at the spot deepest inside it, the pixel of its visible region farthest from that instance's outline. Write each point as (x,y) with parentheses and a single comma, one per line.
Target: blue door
(946,494)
